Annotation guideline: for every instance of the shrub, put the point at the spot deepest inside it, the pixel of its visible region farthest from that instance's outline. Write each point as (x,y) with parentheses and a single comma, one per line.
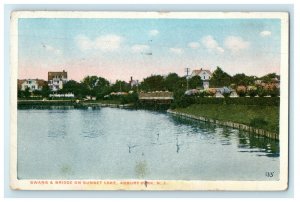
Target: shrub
(241,91)
(203,93)
(271,90)
(211,91)
(261,92)
(252,91)
(226,94)
(260,101)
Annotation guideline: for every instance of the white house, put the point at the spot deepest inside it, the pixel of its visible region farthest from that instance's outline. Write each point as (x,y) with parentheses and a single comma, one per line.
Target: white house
(56,80)
(133,82)
(205,76)
(31,84)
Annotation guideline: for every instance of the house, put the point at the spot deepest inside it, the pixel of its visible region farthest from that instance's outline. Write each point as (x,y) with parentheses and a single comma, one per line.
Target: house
(205,76)
(31,84)
(56,80)
(133,82)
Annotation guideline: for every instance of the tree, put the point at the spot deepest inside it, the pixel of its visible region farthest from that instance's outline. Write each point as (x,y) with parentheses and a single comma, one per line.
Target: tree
(78,89)
(220,78)
(172,82)
(45,91)
(27,92)
(270,77)
(195,82)
(120,86)
(242,79)
(95,86)
(153,83)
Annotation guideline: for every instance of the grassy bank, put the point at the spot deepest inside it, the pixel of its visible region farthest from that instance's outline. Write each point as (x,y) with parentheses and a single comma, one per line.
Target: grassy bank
(264,117)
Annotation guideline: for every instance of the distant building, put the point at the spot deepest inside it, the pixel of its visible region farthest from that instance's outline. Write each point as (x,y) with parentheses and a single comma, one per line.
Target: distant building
(205,76)
(31,84)
(133,82)
(56,80)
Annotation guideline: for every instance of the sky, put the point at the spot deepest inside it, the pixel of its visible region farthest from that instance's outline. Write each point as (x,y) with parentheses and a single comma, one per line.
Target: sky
(117,49)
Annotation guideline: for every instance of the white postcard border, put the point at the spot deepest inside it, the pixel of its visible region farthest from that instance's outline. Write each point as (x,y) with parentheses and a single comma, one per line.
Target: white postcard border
(89,184)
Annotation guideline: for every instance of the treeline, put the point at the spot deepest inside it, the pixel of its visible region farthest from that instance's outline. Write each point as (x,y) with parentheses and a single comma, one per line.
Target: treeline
(100,87)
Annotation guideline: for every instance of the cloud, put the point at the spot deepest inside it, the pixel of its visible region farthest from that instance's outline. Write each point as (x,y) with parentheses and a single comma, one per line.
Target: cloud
(211,44)
(52,49)
(139,48)
(194,45)
(236,44)
(153,32)
(177,51)
(265,33)
(104,43)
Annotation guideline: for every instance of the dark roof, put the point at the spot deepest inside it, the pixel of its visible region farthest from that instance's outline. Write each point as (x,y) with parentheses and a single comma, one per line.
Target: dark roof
(59,74)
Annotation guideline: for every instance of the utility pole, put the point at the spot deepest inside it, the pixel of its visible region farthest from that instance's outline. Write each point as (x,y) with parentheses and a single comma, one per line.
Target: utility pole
(187,79)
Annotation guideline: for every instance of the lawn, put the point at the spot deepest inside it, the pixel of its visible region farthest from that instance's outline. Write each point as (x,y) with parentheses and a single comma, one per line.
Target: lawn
(245,114)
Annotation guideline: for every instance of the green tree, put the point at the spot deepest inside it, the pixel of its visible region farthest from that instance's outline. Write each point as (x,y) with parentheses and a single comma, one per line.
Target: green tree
(95,86)
(172,82)
(78,89)
(220,78)
(242,79)
(153,83)
(195,82)
(270,77)
(27,93)
(120,86)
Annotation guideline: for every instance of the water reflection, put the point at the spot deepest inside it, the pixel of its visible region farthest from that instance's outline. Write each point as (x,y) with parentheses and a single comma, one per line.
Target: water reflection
(57,127)
(128,144)
(91,121)
(246,142)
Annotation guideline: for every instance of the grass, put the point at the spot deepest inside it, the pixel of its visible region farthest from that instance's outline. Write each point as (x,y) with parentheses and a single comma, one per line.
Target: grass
(264,117)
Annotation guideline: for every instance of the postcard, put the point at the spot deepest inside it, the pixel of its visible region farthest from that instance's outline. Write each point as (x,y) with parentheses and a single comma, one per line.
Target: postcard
(149,100)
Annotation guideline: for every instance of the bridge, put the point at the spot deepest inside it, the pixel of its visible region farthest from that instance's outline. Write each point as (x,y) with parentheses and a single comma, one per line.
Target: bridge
(161,97)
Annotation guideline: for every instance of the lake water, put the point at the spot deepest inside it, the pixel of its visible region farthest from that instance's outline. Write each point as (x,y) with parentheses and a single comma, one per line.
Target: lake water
(137,144)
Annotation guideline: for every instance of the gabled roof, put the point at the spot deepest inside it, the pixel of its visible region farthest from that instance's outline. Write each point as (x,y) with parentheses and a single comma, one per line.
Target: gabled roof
(40,82)
(199,71)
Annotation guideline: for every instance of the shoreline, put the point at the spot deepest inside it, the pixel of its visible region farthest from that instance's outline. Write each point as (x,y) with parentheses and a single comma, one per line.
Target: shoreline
(68,103)
(39,104)
(239,126)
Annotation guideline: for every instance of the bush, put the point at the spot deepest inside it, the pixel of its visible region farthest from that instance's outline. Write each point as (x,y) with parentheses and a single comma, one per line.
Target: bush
(186,101)
(226,94)
(252,91)
(203,93)
(261,92)
(271,90)
(211,91)
(241,91)
(260,101)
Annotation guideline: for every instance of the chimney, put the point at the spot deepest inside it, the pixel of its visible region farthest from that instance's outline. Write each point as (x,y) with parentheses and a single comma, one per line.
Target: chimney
(131,79)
